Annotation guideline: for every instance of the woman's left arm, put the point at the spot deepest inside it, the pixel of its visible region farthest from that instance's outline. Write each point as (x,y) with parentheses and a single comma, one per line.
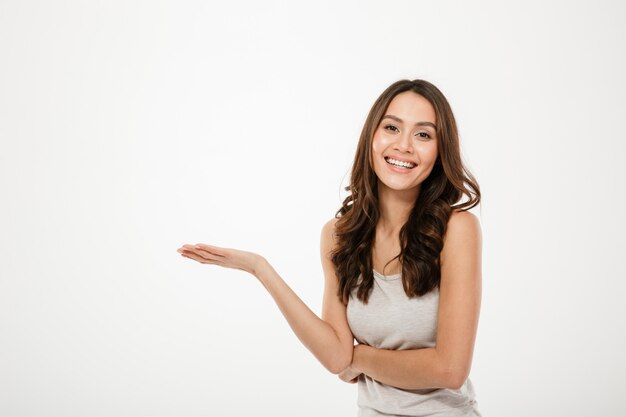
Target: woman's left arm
(448,364)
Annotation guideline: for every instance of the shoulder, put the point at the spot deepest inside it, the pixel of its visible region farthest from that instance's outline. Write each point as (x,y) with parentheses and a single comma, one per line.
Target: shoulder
(328,229)
(463,232)
(327,235)
(330,224)
(463,222)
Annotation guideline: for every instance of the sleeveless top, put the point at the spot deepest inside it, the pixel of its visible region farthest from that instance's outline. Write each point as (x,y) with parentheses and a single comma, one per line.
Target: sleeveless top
(392,320)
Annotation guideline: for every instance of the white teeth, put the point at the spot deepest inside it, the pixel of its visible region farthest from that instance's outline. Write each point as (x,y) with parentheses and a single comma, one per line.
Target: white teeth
(400,163)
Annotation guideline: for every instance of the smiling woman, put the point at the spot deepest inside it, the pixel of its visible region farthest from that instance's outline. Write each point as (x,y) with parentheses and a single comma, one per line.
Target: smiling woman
(415,327)
(406,124)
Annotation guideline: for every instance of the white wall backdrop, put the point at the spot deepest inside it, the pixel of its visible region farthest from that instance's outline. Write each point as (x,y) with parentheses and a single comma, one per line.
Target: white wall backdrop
(130,128)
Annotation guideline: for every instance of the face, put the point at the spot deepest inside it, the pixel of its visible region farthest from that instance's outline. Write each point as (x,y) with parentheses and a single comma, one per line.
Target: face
(407,134)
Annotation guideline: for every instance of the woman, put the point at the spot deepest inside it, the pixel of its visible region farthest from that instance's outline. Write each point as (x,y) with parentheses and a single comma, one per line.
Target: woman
(402,265)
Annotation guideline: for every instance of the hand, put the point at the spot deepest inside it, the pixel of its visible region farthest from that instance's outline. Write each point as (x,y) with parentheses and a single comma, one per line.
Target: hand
(226,257)
(349,375)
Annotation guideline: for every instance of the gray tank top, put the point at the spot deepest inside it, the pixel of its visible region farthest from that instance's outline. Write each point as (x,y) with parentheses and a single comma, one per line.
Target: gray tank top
(392,320)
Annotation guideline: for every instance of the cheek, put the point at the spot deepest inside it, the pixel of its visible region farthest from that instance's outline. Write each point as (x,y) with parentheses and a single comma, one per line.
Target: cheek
(377,143)
(378,147)
(432,152)
(380,143)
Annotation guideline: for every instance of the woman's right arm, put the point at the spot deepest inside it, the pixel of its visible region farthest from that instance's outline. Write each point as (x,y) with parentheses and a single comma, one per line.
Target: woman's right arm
(329,338)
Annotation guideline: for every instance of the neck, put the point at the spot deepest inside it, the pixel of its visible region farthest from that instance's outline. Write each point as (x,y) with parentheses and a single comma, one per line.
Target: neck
(395,208)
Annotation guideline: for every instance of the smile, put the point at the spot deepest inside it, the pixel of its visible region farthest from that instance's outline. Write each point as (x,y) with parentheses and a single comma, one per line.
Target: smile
(400,164)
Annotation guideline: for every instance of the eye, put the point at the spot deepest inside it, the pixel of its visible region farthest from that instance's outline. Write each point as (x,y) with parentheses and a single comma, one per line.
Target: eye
(392,128)
(426,135)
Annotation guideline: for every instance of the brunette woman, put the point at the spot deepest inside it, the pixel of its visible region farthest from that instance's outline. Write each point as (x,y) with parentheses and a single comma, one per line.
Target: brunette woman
(402,265)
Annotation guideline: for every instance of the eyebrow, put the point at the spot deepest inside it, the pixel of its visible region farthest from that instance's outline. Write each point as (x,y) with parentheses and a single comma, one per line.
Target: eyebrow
(399,120)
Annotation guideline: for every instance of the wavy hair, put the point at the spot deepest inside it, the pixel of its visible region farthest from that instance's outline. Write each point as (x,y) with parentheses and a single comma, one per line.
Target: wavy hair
(421,237)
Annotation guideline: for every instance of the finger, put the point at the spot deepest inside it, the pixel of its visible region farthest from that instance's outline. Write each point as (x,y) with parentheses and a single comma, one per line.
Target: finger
(194,249)
(193,256)
(207,255)
(209,248)
(196,257)
(186,247)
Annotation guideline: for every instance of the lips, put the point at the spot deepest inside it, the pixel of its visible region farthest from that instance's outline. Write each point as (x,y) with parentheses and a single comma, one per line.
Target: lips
(400,160)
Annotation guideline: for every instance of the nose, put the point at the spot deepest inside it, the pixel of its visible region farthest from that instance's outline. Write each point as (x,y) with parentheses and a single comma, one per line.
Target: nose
(404,142)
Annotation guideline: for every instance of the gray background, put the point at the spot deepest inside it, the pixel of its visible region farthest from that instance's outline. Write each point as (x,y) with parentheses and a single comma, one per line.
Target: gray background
(130,128)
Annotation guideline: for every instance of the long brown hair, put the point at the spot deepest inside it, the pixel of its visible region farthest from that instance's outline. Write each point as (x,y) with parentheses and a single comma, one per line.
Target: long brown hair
(421,237)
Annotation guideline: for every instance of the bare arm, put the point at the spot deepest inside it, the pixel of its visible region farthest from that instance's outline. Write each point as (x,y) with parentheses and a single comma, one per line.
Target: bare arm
(329,339)
(448,364)
(316,335)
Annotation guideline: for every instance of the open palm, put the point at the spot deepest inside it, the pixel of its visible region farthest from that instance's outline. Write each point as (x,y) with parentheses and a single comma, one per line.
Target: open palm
(226,257)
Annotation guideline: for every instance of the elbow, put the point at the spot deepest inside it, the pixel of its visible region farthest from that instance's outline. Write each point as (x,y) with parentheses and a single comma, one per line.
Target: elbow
(456,382)
(455,379)
(335,370)
(453,372)
(338,366)
(339,363)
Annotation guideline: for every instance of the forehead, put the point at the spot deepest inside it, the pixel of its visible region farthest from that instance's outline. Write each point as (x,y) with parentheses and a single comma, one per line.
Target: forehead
(412,107)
